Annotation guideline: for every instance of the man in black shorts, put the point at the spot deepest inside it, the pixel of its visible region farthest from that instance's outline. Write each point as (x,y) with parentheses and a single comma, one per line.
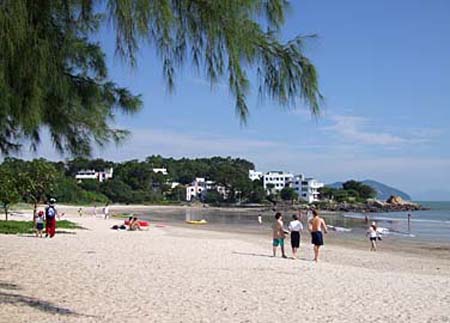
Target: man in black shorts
(316,224)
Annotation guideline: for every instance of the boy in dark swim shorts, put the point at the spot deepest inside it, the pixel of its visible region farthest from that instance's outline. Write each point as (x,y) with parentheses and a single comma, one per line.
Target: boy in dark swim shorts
(316,225)
(295,226)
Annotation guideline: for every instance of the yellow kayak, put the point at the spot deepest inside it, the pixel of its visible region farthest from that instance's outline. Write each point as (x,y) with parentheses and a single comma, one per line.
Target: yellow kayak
(203,221)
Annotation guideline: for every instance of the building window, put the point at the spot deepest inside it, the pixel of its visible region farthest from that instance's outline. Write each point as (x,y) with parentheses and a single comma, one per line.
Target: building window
(304,183)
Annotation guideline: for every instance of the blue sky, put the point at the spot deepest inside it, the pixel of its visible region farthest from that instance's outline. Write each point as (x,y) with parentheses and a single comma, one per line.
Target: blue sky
(384,70)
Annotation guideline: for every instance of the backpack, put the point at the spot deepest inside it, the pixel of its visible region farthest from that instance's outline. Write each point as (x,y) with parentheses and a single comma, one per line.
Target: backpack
(50,212)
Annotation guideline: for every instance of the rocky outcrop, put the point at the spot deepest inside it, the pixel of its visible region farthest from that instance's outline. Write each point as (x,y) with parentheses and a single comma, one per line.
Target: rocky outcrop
(396,200)
(393,204)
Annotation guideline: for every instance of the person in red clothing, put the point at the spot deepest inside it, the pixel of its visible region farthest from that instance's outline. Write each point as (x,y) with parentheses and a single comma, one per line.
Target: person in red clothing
(50,219)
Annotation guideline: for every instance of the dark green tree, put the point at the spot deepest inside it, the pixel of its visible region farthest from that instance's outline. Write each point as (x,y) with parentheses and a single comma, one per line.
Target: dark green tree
(213,197)
(66,88)
(36,181)
(117,191)
(9,193)
(288,194)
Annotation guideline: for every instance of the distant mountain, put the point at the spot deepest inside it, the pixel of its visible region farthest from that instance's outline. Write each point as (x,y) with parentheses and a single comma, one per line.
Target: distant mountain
(383,191)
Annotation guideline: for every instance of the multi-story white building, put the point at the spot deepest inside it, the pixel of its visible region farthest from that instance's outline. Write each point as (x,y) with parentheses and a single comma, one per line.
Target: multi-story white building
(306,188)
(275,181)
(199,187)
(93,174)
(254,175)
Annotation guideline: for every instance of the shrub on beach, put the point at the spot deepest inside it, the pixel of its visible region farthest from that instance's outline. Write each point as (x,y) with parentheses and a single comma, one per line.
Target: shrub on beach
(15,227)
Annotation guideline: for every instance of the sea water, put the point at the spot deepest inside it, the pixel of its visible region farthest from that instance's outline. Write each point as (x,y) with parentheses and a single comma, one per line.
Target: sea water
(430,225)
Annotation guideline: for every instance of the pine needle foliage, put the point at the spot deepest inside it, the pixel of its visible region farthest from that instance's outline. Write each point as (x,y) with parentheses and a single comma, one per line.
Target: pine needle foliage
(52,75)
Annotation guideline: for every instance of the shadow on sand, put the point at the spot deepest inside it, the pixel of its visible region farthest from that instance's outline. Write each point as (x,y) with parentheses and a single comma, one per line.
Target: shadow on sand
(13,298)
(9,286)
(268,256)
(251,254)
(33,235)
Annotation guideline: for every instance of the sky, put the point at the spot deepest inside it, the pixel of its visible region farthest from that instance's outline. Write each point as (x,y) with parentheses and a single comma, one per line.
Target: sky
(384,69)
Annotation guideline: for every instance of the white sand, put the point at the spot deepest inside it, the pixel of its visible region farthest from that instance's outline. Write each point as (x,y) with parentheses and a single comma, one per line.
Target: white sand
(183,275)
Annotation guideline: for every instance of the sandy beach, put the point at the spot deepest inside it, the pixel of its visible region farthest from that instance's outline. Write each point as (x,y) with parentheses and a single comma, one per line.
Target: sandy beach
(177,274)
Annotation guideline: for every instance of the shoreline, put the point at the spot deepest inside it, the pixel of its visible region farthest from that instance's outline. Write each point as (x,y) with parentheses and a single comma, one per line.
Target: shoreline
(352,241)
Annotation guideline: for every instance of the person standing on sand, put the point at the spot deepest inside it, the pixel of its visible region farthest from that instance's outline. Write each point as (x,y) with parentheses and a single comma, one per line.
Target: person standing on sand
(278,235)
(106,211)
(295,227)
(316,225)
(39,223)
(50,219)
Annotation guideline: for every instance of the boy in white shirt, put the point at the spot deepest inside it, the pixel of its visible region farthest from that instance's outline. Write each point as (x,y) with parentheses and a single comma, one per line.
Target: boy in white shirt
(295,227)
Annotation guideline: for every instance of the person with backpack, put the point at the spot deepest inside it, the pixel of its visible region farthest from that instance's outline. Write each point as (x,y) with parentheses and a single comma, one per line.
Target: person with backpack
(50,219)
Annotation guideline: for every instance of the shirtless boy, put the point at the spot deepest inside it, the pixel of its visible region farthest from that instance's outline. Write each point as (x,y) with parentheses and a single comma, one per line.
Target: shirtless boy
(278,235)
(316,225)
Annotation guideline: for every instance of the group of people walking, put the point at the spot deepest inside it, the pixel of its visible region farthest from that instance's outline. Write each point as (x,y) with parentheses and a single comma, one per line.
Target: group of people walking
(316,227)
(47,217)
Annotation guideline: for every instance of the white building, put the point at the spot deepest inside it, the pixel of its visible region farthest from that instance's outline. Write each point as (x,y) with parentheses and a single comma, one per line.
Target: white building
(93,174)
(199,187)
(276,180)
(160,170)
(306,188)
(254,175)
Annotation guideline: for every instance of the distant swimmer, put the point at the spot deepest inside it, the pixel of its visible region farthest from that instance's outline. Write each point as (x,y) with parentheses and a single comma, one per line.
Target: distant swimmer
(409,222)
(259,219)
(373,234)
(316,225)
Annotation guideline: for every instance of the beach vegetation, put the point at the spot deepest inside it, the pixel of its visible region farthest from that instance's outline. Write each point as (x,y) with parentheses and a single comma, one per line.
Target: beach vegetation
(213,197)
(67,91)
(351,191)
(288,194)
(23,227)
(133,182)
(35,179)
(9,193)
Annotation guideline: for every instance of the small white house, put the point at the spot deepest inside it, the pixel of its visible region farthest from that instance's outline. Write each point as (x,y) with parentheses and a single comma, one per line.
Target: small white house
(199,187)
(160,170)
(100,176)
(254,175)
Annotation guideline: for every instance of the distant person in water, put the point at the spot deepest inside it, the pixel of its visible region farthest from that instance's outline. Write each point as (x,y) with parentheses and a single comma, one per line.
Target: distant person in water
(409,222)
(278,235)
(372,233)
(295,226)
(259,218)
(316,225)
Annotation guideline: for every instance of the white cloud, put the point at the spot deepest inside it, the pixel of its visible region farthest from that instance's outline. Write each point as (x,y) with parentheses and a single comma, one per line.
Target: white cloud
(357,130)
